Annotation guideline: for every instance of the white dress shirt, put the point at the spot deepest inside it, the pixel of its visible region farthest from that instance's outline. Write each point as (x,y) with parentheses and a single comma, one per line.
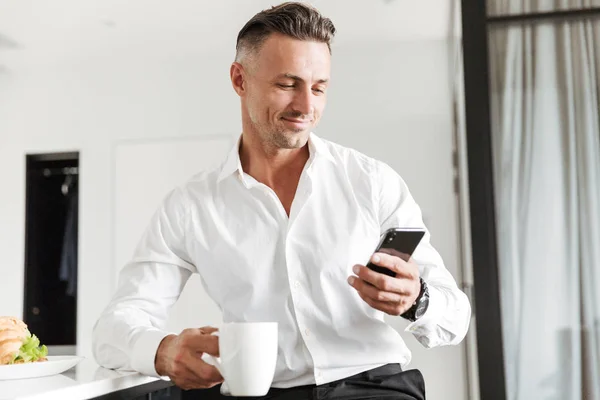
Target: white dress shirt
(258,264)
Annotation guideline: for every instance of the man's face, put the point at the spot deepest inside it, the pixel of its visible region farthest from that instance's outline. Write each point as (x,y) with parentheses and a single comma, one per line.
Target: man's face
(286,88)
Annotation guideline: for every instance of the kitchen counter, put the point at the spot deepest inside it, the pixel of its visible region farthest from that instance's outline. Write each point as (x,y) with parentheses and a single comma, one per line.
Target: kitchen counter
(87,380)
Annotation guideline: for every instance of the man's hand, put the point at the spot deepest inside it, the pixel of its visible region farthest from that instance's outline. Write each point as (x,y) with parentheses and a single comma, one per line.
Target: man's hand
(179,358)
(392,295)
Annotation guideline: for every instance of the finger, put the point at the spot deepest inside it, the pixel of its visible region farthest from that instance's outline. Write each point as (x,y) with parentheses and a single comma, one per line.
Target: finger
(372,292)
(205,330)
(188,373)
(201,372)
(380,281)
(209,330)
(192,382)
(390,308)
(406,269)
(196,341)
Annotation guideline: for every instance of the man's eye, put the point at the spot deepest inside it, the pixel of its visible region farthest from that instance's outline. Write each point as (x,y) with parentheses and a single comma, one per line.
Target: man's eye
(319,90)
(285,86)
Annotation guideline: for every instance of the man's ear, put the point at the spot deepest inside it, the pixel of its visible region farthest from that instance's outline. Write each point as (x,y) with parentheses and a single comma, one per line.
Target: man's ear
(238,78)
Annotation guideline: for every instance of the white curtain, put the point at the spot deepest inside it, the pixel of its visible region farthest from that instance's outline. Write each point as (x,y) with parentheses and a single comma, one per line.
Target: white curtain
(546,142)
(501,7)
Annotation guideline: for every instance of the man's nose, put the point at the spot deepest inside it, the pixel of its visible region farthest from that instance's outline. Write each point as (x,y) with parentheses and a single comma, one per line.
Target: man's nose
(303,102)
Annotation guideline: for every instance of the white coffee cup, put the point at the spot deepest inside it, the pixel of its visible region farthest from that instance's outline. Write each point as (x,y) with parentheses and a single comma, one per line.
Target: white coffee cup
(248,354)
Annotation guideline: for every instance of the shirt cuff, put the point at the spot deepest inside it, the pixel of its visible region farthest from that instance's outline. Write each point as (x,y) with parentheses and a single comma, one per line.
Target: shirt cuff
(435,309)
(144,351)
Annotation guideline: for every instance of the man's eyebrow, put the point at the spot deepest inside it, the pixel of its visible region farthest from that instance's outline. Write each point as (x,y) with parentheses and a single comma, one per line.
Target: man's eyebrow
(298,79)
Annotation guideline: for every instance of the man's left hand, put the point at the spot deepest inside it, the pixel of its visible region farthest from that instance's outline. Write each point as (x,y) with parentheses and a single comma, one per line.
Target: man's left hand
(392,295)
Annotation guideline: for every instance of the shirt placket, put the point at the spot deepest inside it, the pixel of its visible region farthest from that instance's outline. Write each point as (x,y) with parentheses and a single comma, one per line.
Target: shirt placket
(300,290)
(297,282)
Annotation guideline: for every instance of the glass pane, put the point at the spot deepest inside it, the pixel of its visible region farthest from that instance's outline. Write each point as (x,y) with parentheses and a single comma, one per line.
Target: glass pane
(505,7)
(545,92)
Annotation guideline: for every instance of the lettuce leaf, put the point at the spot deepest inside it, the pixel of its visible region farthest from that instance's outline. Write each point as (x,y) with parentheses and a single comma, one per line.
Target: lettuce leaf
(31,350)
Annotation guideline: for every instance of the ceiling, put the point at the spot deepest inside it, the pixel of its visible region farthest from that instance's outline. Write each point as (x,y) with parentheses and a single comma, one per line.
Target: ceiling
(55,29)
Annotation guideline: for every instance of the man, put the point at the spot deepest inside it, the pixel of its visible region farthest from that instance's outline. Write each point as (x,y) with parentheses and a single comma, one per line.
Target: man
(278,233)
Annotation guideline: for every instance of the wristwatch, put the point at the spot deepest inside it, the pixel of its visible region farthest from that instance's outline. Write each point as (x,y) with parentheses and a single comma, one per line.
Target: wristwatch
(420,305)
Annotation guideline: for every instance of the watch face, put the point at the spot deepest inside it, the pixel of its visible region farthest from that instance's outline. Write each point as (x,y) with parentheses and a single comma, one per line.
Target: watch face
(422,307)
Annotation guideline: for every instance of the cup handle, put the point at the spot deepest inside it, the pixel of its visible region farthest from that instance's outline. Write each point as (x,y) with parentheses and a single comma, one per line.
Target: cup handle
(216,362)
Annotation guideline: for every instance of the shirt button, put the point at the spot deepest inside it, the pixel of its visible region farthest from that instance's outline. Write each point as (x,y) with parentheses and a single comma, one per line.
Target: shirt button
(319,375)
(297,284)
(307,332)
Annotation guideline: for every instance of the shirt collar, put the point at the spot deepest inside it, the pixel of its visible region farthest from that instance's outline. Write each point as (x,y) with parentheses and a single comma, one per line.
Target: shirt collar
(232,162)
(316,147)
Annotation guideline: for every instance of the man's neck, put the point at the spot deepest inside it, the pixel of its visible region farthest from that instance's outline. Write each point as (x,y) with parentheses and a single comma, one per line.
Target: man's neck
(274,167)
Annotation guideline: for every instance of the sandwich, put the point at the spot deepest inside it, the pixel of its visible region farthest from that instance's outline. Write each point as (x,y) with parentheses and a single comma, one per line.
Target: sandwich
(17,344)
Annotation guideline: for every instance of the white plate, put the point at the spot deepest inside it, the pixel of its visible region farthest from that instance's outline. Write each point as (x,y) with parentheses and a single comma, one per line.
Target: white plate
(54,365)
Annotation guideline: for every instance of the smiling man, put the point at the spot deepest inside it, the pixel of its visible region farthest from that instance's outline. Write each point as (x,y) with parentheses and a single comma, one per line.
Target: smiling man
(281,231)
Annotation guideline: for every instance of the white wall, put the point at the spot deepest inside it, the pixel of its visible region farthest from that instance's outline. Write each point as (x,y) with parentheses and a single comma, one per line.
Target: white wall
(390,98)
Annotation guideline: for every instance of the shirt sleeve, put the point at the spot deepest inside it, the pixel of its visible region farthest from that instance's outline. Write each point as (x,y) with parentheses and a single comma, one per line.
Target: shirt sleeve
(128,332)
(447,318)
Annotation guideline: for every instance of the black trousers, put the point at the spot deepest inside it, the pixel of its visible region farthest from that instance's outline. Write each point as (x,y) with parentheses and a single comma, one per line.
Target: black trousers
(386,382)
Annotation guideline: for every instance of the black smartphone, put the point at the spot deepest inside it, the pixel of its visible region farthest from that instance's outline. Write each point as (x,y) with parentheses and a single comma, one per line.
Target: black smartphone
(399,242)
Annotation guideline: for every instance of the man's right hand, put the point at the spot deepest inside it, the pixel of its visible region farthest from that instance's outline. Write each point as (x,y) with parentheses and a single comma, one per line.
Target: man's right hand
(179,358)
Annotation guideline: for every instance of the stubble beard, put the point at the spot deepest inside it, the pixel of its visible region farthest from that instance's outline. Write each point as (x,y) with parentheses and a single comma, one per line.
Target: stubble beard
(275,138)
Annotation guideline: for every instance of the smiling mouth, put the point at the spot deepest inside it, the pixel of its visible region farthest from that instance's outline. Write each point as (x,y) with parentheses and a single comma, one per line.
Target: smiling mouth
(297,121)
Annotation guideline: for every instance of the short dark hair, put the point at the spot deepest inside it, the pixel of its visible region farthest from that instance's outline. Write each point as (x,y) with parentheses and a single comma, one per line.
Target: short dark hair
(297,20)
